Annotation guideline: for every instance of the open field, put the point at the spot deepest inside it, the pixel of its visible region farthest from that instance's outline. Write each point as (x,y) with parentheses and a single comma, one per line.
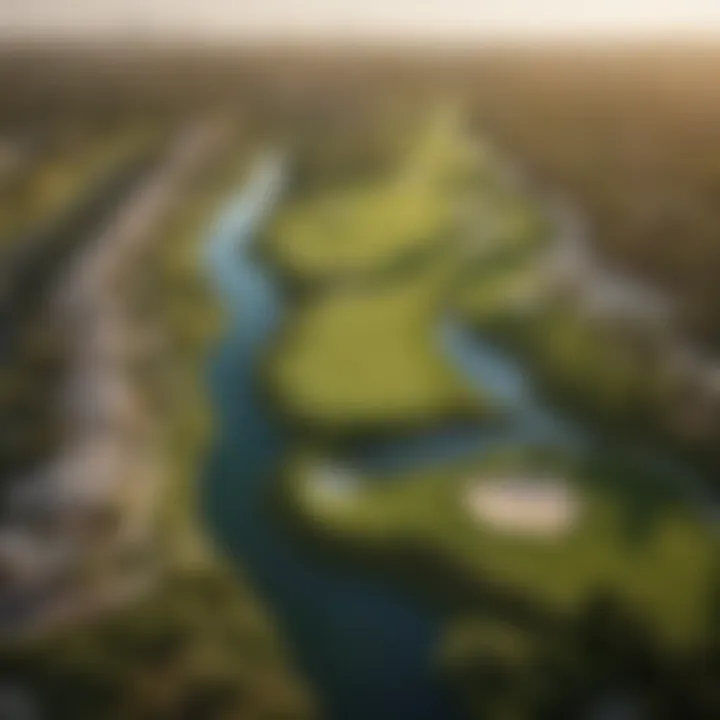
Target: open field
(361,354)
(367,226)
(367,357)
(658,560)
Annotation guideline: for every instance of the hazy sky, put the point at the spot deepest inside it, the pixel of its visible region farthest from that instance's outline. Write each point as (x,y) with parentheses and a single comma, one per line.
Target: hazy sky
(410,18)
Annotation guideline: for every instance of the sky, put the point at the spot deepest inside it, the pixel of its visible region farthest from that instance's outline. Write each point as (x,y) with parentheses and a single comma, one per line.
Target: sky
(359,18)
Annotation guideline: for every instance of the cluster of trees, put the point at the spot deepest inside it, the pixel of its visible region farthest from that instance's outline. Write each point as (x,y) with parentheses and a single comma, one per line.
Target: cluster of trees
(196,649)
(604,663)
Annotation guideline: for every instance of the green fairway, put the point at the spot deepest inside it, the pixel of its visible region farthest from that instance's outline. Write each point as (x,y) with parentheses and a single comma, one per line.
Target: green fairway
(364,227)
(363,354)
(634,538)
(361,358)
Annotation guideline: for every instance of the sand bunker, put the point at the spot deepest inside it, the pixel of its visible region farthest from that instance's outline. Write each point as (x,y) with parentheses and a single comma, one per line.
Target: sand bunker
(334,484)
(541,507)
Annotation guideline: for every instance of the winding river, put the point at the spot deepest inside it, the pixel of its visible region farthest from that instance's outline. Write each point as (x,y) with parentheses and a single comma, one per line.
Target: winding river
(365,649)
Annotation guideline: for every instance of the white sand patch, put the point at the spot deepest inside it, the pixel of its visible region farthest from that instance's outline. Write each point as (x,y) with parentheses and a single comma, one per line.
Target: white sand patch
(333,484)
(532,506)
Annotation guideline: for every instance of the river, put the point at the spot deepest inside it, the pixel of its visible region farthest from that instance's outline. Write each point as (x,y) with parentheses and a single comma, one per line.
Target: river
(365,649)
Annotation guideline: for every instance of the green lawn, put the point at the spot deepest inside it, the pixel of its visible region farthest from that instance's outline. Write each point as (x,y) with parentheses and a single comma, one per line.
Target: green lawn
(369,356)
(636,539)
(361,352)
(364,227)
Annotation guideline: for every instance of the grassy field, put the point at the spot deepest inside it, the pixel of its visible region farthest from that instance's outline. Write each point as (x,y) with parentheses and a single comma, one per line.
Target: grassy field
(363,353)
(637,540)
(368,357)
(364,226)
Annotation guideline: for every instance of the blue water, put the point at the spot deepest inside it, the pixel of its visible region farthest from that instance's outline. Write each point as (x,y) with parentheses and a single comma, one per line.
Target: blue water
(501,382)
(365,650)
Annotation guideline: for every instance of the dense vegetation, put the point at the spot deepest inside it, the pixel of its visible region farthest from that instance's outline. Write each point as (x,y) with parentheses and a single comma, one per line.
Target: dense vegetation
(197,648)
